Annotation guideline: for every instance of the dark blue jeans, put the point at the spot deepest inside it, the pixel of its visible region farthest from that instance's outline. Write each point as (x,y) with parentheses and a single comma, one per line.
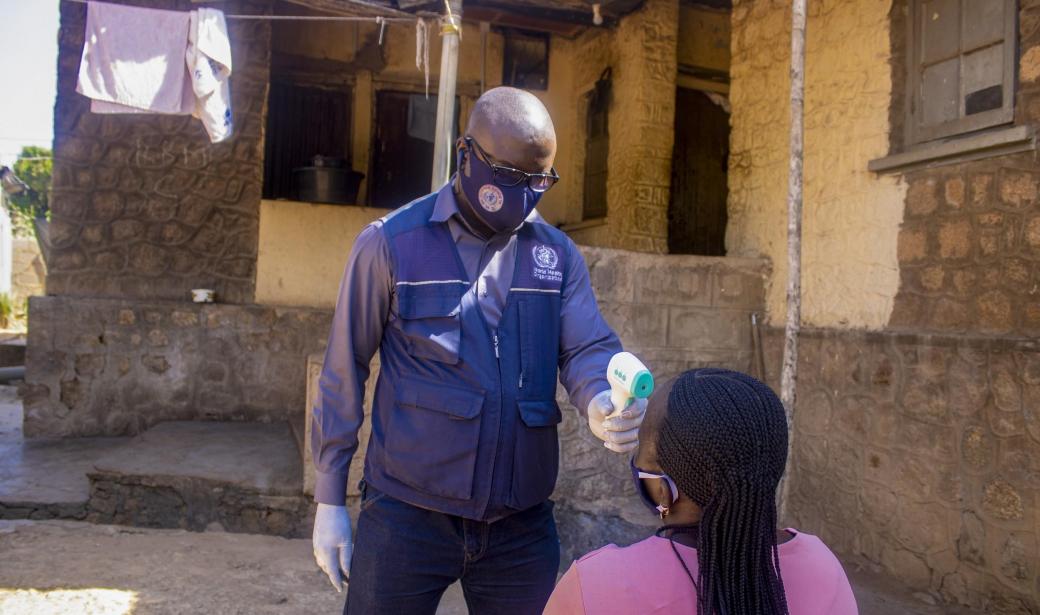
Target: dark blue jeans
(406,556)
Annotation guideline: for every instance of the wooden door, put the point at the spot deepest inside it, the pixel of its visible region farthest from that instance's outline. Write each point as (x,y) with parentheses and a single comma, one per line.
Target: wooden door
(402,160)
(697,212)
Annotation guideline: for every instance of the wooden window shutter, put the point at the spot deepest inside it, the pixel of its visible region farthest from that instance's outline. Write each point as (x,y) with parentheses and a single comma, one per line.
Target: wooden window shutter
(962,66)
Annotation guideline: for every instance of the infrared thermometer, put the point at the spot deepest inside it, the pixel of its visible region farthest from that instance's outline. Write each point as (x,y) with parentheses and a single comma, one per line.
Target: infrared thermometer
(629,380)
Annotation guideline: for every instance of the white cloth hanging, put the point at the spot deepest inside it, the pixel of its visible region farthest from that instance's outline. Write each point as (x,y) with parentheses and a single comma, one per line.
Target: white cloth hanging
(138,60)
(133,58)
(208,59)
(422,50)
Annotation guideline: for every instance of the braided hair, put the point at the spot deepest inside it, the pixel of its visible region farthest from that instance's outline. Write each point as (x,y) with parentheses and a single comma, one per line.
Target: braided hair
(723,441)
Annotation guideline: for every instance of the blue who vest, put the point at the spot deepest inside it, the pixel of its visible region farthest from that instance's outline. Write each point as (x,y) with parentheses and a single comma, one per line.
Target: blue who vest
(464,417)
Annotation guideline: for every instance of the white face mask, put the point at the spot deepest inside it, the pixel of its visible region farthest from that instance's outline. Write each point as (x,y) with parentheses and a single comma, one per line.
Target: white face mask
(638,475)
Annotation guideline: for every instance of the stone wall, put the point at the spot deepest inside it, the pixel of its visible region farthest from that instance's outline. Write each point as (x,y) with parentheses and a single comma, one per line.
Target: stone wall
(920,454)
(116,367)
(969,251)
(145,206)
(676,313)
(851,219)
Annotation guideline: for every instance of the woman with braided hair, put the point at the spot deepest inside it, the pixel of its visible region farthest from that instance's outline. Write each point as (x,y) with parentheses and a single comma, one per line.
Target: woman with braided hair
(712,449)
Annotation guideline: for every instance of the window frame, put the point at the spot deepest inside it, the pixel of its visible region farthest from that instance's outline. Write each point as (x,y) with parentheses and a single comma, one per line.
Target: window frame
(916,134)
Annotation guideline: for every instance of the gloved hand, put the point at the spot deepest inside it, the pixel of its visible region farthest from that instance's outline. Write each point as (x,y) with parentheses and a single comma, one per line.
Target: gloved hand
(618,433)
(332,543)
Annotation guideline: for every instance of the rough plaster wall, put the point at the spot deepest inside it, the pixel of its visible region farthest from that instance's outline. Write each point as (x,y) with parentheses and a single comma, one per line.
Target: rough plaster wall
(851,217)
(303,250)
(641,125)
(704,37)
(145,206)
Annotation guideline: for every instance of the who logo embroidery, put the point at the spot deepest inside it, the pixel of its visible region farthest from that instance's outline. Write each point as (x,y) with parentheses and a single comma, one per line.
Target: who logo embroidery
(546,262)
(490,197)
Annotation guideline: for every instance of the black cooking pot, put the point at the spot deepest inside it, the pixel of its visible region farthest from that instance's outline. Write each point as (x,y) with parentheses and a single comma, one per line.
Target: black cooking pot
(328,180)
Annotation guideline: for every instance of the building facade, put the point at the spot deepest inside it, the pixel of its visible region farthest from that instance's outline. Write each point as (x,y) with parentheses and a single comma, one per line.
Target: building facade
(915,442)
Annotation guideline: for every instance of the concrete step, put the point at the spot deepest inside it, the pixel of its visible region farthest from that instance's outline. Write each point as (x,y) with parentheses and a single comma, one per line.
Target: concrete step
(239,477)
(47,478)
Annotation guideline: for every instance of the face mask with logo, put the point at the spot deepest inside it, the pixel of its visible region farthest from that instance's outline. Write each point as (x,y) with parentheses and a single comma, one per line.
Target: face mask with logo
(501,208)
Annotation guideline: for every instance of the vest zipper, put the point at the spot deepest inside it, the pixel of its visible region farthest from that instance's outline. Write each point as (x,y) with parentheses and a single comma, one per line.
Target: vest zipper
(495,337)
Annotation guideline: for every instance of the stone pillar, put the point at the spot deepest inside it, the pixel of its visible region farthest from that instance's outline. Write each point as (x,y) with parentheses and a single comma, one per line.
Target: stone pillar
(642,128)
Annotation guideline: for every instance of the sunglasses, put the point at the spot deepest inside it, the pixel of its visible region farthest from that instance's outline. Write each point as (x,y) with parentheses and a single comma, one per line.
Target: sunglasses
(638,474)
(507,177)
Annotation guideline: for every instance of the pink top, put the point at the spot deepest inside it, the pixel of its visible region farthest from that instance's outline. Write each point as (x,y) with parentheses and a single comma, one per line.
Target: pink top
(647,578)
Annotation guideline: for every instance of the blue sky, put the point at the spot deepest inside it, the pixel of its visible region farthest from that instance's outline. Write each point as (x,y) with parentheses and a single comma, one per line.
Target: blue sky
(29,52)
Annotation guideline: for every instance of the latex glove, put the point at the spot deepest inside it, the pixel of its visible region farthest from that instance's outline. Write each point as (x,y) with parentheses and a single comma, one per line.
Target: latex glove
(619,433)
(332,543)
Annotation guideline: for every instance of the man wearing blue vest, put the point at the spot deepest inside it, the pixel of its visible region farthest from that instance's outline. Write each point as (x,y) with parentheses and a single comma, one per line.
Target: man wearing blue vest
(476,305)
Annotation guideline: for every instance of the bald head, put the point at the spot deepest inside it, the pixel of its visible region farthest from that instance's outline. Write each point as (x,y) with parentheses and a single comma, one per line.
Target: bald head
(514,127)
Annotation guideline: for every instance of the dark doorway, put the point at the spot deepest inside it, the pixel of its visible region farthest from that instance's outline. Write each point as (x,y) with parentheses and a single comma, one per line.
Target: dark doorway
(402,157)
(697,212)
(302,122)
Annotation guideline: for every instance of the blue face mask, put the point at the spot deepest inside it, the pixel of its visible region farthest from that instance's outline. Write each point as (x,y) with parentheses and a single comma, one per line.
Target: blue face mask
(501,208)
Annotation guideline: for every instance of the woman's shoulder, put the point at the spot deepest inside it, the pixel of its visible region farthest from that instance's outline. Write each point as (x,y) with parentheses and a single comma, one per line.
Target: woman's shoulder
(612,554)
(807,566)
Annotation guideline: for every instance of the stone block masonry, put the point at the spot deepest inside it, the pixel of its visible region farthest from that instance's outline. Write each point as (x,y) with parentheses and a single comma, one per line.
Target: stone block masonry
(969,247)
(676,313)
(145,206)
(920,454)
(116,367)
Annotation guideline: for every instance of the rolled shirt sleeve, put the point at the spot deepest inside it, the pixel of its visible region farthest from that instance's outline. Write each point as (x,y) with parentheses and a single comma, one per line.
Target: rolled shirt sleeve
(357,329)
(586,340)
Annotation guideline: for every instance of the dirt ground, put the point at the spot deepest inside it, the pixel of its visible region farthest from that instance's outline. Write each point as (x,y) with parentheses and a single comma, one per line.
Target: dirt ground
(71,567)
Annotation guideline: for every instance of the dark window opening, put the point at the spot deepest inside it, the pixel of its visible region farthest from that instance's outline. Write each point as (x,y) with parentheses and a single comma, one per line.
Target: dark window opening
(597,149)
(303,122)
(526,60)
(402,157)
(700,164)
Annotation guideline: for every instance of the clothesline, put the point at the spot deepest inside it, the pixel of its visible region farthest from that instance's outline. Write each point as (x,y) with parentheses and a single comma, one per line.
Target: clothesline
(373,19)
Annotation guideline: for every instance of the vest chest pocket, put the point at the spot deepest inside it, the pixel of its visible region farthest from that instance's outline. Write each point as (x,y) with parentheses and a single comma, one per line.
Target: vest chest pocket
(539,325)
(432,435)
(430,321)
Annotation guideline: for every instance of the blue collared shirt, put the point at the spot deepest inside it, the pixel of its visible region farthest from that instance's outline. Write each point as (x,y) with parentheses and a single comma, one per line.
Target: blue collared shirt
(367,303)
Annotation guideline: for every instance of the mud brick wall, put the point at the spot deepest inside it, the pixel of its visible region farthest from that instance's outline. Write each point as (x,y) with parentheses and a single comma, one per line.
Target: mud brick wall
(969,247)
(918,455)
(144,205)
(116,367)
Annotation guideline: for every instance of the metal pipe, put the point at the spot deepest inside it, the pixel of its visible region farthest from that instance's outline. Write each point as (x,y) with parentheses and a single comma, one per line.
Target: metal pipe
(443,133)
(485,28)
(8,374)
